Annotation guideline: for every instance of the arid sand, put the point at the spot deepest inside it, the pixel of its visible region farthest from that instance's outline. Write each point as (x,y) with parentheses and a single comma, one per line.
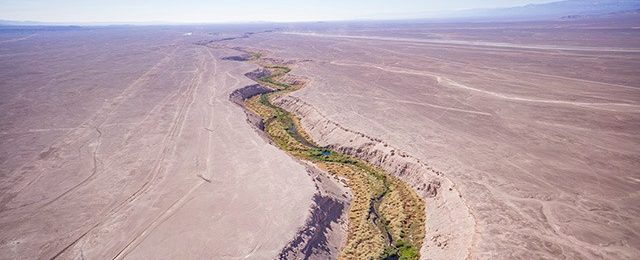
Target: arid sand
(122,143)
(534,124)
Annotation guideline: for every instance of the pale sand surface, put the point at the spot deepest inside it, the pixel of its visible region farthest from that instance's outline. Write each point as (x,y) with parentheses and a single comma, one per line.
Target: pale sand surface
(108,137)
(122,142)
(541,142)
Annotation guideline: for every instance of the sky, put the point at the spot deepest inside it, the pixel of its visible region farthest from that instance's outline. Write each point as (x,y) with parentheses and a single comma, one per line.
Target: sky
(224,11)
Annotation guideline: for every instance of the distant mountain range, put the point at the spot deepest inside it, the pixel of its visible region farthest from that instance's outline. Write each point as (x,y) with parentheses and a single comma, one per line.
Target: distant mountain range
(555,10)
(567,9)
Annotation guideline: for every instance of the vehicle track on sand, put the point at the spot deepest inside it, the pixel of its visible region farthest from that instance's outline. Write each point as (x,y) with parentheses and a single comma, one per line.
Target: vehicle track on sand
(18,39)
(476,43)
(453,109)
(108,159)
(98,118)
(117,154)
(94,170)
(121,152)
(451,83)
(166,214)
(510,70)
(186,99)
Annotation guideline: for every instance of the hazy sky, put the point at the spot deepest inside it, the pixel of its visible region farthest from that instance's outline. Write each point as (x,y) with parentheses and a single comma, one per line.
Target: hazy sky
(190,11)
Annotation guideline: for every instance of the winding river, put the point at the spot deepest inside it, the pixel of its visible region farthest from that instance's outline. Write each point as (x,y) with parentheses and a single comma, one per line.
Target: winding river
(386,217)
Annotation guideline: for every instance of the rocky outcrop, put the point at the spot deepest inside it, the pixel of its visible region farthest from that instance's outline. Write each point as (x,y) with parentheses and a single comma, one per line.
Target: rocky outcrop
(243,57)
(257,74)
(238,97)
(325,231)
(450,227)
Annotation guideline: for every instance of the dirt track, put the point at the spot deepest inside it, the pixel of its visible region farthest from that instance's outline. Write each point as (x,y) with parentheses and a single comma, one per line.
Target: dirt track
(540,142)
(123,144)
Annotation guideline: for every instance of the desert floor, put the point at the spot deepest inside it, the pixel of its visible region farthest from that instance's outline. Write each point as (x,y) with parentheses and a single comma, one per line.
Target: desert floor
(123,143)
(535,123)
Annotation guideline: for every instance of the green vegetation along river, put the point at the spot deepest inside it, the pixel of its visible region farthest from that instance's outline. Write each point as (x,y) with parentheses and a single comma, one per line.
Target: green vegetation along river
(386,217)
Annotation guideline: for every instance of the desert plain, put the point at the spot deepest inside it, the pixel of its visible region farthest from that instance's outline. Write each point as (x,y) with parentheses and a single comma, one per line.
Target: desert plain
(123,143)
